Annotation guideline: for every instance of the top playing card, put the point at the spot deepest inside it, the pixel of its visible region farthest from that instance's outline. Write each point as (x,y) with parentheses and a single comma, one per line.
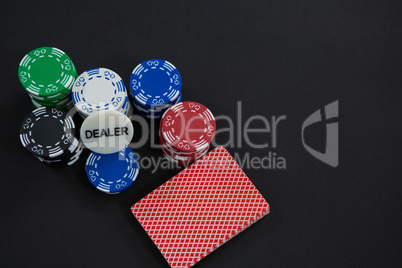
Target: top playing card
(200,209)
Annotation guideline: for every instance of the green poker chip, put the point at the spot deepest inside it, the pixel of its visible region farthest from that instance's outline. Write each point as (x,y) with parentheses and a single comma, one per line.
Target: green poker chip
(53,99)
(47,73)
(58,103)
(65,106)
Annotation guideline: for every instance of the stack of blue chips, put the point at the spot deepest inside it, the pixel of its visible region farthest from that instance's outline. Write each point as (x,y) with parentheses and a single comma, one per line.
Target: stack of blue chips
(155,87)
(112,173)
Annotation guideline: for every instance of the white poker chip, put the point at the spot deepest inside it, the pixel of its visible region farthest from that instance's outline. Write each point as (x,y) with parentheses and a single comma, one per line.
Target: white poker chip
(99,89)
(129,110)
(106,132)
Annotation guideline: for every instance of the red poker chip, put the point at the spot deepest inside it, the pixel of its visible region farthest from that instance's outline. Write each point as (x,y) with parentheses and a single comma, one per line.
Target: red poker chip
(189,158)
(175,156)
(175,160)
(183,157)
(180,157)
(171,159)
(176,152)
(188,127)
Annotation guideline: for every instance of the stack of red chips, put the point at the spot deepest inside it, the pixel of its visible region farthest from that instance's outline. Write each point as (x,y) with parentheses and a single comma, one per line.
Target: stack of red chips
(186,132)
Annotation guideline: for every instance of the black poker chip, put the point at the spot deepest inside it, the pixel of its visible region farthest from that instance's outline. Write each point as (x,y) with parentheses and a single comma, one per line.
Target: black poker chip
(49,134)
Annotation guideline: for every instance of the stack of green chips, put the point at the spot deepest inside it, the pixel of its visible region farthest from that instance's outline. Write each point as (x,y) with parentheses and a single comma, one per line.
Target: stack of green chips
(48,74)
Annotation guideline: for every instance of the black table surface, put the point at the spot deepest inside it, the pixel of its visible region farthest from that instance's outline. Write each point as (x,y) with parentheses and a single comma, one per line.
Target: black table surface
(273,58)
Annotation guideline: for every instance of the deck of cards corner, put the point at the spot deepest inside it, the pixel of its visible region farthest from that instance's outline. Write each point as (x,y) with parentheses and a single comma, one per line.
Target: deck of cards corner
(190,215)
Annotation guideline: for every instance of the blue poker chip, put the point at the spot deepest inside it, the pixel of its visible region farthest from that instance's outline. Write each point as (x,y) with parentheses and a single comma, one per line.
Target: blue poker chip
(155,83)
(112,173)
(158,108)
(154,114)
(143,110)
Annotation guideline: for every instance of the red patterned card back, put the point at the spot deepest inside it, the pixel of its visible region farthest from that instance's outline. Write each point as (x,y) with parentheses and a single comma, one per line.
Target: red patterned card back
(200,209)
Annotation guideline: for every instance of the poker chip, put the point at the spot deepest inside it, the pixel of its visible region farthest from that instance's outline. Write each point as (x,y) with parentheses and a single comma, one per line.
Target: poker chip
(64,162)
(129,109)
(186,132)
(49,134)
(154,114)
(112,173)
(155,86)
(179,157)
(106,132)
(47,74)
(99,89)
(65,104)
